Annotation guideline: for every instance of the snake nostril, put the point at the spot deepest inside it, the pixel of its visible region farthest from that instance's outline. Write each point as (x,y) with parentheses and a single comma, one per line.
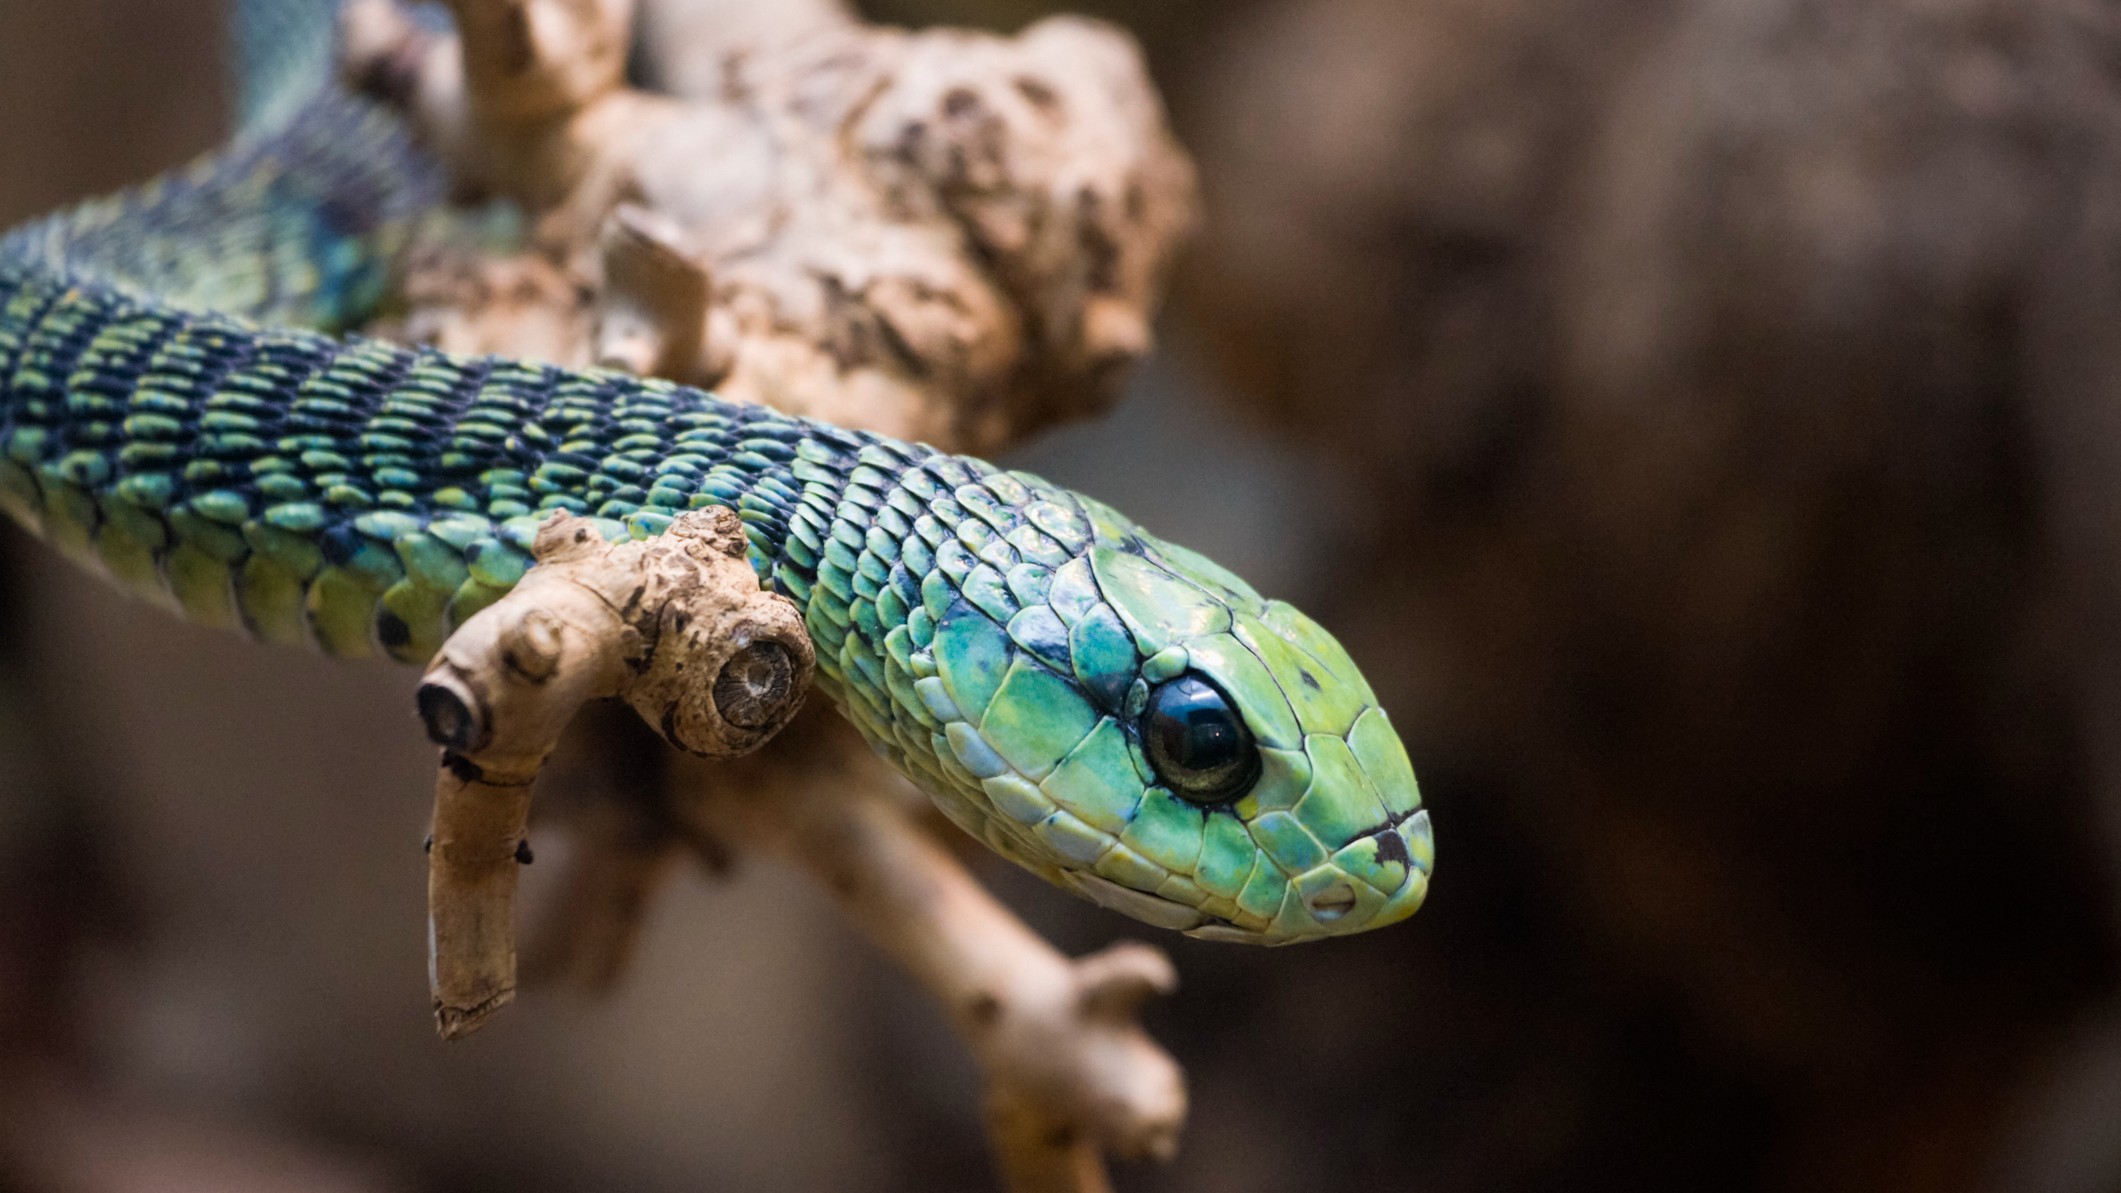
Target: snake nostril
(1332,903)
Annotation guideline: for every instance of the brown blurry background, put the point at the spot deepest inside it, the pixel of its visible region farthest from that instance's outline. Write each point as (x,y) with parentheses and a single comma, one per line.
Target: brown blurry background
(1702,417)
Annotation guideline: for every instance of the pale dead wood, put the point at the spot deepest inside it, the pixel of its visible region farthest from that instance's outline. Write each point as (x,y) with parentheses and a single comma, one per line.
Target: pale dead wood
(687,45)
(1071,1075)
(653,317)
(943,236)
(675,626)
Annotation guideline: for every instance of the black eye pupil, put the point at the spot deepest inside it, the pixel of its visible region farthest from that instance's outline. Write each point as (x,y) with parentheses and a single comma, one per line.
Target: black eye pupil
(1197,743)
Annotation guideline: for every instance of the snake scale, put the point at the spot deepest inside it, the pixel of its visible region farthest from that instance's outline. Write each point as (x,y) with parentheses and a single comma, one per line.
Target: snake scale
(1113,712)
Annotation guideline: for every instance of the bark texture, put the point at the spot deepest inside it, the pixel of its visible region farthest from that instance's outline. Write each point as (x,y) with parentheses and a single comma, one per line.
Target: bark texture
(951,237)
(945,236)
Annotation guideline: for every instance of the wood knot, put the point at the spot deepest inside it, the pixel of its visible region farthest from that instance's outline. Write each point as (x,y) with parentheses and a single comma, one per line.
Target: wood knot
(565,536)
(453,714)
(754,688)
(983,1010)
(715,530)
(531,646)
(760,661)
(730,663)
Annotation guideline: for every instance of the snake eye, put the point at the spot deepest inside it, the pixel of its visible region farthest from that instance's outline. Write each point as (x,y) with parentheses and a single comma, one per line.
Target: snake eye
(1196,742)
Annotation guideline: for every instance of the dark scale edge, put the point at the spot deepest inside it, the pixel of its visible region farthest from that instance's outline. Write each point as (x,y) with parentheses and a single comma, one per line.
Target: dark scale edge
(46,438)
(28,297)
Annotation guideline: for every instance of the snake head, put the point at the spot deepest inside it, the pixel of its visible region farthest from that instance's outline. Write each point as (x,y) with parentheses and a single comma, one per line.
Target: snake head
(1213,763)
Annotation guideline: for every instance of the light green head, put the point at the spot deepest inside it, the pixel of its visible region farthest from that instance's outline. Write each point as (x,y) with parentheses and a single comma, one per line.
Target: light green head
(1162,739)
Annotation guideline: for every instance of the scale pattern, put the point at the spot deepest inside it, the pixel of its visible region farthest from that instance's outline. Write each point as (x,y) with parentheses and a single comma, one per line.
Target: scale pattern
(996,638)
(296,225)
(281,48)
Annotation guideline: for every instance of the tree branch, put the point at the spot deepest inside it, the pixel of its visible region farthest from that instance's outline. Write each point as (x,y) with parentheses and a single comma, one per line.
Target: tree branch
(1071,1075)
(943,236)
(642,621)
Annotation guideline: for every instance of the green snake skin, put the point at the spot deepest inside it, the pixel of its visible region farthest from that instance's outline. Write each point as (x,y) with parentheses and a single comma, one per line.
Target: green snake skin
(1111,711)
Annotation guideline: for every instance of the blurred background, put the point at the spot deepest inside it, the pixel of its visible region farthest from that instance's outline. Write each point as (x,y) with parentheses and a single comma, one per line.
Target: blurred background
(1702,417)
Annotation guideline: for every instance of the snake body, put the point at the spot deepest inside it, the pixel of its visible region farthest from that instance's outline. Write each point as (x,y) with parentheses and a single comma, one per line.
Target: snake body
(1111,711)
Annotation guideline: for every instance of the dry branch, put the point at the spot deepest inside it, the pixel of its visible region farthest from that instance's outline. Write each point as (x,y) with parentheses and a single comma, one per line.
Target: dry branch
(942,236)
(687,45)
(1071,1075)
(675,626)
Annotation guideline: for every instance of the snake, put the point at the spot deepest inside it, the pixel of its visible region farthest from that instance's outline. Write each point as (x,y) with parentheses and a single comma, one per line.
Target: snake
(186,408)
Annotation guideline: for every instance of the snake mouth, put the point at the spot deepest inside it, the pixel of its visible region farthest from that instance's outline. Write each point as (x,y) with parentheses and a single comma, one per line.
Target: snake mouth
(1326,901)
